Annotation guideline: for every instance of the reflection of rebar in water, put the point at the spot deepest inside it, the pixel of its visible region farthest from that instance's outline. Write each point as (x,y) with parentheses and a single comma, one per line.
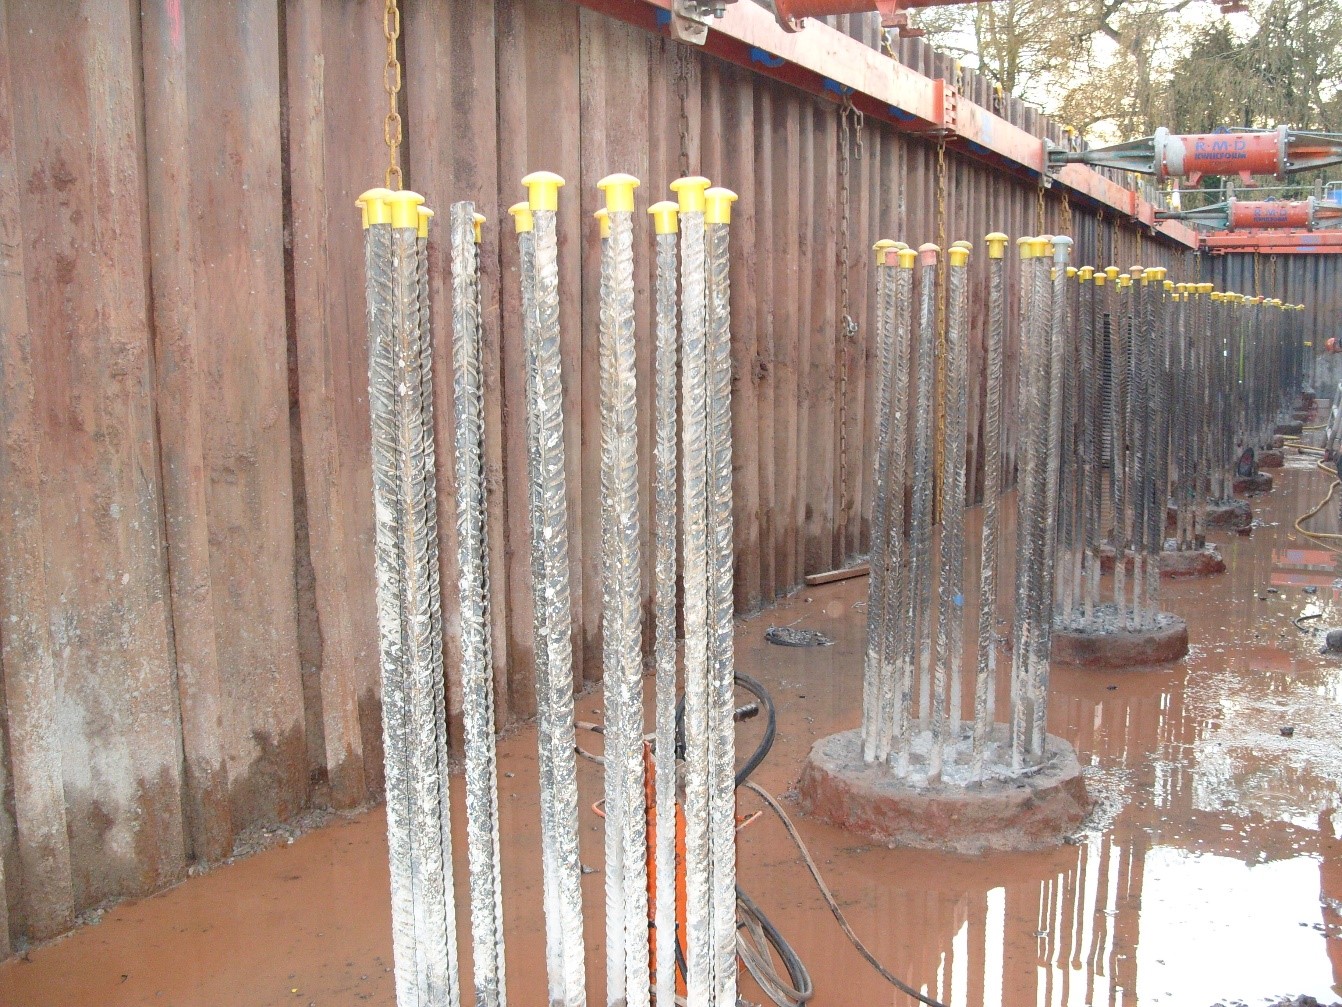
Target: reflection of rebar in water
(554,681)
(985,678)
(477,683)
(664,599)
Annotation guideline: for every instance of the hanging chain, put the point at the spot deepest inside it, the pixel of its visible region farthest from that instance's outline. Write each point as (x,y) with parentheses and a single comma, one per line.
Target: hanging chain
(391,82)
(1067,217)
(939,443)
(1039,211)
(683,58)
(850,137)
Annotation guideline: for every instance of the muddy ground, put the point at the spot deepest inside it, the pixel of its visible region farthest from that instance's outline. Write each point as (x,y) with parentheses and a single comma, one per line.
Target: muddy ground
(1211,871)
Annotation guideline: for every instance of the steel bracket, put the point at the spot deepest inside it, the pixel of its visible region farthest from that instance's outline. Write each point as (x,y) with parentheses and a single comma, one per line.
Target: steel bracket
(690,18)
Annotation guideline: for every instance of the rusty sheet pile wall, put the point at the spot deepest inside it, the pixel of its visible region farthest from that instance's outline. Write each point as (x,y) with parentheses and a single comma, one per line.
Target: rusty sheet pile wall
(187,634)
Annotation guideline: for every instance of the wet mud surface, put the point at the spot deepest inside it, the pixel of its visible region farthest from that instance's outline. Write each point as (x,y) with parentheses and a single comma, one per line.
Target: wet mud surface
(1209,872)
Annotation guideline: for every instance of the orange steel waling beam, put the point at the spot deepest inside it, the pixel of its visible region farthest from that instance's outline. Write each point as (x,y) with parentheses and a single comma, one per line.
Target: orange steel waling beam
(1274,242)
(826,62)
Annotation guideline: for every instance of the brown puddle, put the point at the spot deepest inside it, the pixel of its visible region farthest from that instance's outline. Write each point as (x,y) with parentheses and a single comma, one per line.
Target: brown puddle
(1217,876)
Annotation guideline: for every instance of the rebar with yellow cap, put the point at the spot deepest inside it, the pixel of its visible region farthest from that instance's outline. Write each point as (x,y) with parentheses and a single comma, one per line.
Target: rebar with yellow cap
(628,972)
(920,606)
(897,630)
(379,272)
(985,685)
(421,628)
(700,943)
(877,582)
(947,684)
(477,673)
(664,539)
(722,668)
(1055,349)
(562,868)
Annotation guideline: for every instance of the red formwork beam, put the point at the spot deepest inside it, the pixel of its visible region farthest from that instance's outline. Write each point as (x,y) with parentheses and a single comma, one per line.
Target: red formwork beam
(823,61)
(1274,242)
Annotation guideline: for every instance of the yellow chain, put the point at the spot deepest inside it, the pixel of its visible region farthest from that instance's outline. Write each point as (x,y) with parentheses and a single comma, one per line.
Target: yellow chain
(1039,212)
(391,82)
(1067,216)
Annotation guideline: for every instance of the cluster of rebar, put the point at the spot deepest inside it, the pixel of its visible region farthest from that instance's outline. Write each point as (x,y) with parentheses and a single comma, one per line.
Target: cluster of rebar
(914,679)
(410,632)
(1172,381)
(1124,324)
(1264,349)
(1192,449)
(693,397)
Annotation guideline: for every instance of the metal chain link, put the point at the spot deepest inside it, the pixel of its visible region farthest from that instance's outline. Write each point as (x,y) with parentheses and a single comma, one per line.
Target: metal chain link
(683,58)
(1067,217)
(391,83)
(850,135)
(1039,211)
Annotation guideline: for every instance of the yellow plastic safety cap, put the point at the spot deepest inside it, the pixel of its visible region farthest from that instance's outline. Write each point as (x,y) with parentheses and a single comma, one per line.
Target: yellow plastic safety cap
(664,217)
(1206,288)
(907,257)
(1169,284)
(1071,272)
(1086,273)
(522,219)
(997,243)
(425,215)
(880,248)
(603,221)
(373,203)
(1112,272)
(927,253)
(718,205)
(1026,247)
(1124,280)
(1101,277)
(478,219)
(543,190)
(959,254)
(619,189)
(403,208)
(690,192)
(1158,272)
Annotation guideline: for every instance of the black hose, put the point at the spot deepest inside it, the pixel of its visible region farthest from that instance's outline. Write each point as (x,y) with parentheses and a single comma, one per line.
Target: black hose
(770,727)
